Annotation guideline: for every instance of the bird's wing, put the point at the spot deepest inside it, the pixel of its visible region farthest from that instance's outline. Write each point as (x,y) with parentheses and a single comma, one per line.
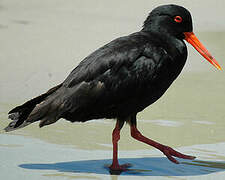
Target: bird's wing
(114,72)
(131,80)
(124,50)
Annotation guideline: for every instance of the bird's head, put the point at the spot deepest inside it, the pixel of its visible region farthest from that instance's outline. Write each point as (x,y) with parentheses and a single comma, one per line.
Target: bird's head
(176,21)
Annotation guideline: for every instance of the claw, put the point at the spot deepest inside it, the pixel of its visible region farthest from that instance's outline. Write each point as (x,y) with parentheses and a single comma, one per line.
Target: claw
(169,152)
(118,169)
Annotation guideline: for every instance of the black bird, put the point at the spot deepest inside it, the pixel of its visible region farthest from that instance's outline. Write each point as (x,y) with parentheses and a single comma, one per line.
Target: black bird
(120,79)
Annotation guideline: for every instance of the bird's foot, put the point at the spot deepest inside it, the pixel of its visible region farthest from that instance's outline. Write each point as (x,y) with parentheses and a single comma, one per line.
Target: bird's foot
(116,169)
(169,152)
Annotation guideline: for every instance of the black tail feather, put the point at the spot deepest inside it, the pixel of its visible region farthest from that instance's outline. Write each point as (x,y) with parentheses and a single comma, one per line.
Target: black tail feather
(20,113)
(35,100)
(12,127)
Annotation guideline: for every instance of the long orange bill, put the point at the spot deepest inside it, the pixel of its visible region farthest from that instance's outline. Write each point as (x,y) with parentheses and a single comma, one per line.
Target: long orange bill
(193,40)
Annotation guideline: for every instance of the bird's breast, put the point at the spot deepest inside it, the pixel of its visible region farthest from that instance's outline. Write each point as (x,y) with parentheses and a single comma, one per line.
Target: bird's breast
(157,77)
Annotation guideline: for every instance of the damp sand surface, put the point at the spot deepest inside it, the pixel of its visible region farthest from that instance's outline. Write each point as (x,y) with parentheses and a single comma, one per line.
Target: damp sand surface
(43,41)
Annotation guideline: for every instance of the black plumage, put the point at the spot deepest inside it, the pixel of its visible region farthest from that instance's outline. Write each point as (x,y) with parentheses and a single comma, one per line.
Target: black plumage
(125,76)
(119,79)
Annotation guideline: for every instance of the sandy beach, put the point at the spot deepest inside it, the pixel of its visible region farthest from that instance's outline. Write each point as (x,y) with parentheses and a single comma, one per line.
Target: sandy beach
(42,41)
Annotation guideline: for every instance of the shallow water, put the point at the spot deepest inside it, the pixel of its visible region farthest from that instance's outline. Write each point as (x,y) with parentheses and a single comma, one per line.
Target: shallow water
(43,41)
(38,159)
(191,112)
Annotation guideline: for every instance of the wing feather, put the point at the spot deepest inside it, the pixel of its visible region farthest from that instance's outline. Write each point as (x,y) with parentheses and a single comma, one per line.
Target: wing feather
(118,74)
(124,50)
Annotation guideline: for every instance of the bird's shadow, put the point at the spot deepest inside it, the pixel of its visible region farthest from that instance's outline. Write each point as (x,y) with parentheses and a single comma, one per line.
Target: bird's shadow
(156,166)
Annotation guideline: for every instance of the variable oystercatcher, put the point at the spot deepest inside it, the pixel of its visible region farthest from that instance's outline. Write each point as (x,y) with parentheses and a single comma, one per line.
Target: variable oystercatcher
(120,79)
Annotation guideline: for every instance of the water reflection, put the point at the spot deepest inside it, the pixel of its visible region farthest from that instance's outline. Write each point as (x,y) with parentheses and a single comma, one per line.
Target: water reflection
(219,165)
(157,166)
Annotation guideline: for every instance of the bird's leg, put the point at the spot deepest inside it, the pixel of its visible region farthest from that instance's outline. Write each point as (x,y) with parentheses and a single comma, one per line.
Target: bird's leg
(168,151)
(115,138)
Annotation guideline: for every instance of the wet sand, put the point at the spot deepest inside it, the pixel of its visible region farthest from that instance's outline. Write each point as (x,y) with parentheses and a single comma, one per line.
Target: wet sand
(41,43)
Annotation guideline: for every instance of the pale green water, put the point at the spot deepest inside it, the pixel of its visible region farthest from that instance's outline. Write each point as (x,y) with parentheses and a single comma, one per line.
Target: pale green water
(194,104)
(190,113)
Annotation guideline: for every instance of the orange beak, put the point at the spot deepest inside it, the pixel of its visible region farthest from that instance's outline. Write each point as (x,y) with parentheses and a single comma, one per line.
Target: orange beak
(193,40)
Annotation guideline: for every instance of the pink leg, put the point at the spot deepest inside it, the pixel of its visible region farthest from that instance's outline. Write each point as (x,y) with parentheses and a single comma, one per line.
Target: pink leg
(168,151)
(115,138)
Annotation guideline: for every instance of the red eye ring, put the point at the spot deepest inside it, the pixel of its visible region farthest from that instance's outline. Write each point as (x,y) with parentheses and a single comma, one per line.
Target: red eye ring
(178,19)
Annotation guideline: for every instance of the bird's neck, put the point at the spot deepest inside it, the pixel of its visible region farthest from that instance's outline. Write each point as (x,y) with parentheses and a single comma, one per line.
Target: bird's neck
(175,46)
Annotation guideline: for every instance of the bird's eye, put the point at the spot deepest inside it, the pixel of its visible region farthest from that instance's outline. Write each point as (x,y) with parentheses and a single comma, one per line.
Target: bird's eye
(178,19)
